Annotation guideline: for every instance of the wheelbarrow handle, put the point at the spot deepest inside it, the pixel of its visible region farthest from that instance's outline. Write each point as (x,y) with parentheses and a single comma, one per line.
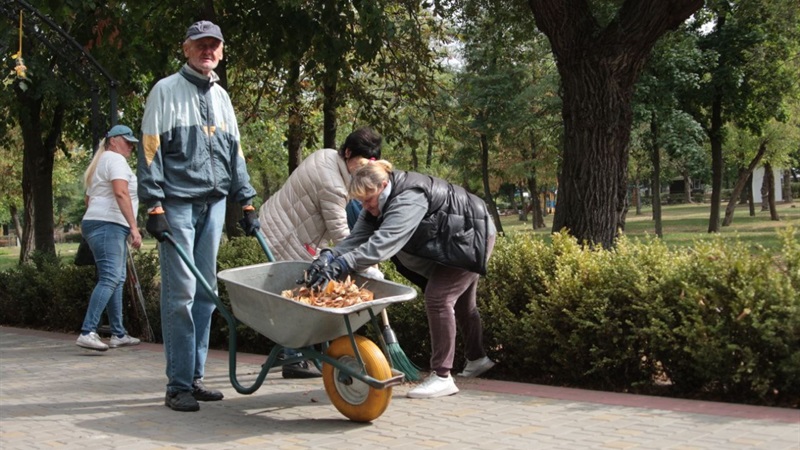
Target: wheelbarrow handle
(200,278)
(263,242)
(229,318)
(185,257)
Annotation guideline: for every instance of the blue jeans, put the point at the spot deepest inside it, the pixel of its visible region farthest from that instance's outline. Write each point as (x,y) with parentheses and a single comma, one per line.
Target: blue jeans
(107,241)
(186,307)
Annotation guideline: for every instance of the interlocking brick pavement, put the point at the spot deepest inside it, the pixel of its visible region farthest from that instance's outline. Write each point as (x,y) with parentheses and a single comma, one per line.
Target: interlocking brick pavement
(55,395)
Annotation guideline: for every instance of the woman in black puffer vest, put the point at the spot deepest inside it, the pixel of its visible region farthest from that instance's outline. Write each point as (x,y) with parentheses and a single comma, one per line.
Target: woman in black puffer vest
(435,229)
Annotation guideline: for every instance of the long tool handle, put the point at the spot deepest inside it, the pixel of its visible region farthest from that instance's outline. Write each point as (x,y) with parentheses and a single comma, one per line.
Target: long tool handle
(388,333)
(138,287)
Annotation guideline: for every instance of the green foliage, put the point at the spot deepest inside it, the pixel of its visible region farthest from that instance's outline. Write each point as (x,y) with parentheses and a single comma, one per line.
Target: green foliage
(713,322)
(45,294)
(735,321)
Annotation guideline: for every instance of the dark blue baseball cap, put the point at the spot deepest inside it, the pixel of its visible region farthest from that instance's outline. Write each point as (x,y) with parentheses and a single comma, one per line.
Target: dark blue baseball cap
(203,29)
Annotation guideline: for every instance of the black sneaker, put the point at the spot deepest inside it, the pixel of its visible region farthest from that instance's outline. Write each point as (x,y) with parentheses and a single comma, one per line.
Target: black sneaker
(300,369)
(200,393)
(181,401)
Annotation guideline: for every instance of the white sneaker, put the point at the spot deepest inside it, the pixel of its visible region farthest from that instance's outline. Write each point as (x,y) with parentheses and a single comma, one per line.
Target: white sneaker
(123,341)
(434,386)
(476,368)
(92,342)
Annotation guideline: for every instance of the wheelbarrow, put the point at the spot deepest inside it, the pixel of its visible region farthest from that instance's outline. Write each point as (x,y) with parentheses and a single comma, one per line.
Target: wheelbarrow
(357,373)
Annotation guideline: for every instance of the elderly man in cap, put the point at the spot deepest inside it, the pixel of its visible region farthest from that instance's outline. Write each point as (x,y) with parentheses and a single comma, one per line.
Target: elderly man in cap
(190,161)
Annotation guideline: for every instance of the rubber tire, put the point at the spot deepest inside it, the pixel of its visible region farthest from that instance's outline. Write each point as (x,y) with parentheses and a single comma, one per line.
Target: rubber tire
(357,401)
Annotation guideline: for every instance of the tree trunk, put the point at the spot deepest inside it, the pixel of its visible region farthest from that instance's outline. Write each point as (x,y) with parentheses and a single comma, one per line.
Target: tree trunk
(414,159)
(687,188)
(486,191)
(329,104)
(296,120)
(787,187)
(518,208)
(429,155)
(598,69)
(715,136)
(769,174)
(741,182)
(637,196)
(537,220)
(26,242)
(743,194)
(16,222)
(765,190)
(537,217)
(431,137)
(37,174)
(750,200)
(594,171)
(655,157)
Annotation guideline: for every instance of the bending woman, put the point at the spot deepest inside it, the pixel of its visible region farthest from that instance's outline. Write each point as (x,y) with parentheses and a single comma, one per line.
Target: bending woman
(437,230)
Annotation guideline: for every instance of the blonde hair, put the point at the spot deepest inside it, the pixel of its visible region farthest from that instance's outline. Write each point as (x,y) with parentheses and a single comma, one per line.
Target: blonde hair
(369,178)
(89,174)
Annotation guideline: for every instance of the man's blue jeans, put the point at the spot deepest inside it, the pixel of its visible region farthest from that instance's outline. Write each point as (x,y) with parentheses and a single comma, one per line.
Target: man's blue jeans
(107,241)
(186,307)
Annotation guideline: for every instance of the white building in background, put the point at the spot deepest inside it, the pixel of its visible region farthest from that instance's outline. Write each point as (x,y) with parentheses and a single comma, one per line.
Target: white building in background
(758,180)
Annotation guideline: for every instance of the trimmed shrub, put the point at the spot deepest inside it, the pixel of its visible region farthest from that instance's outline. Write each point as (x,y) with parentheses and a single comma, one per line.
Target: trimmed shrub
(735,322)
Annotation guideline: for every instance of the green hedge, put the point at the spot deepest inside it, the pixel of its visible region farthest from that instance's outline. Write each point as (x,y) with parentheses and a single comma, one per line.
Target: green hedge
(716,321)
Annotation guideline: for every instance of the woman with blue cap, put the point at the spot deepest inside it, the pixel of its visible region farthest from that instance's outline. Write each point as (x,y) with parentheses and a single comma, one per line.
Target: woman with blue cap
(111,205)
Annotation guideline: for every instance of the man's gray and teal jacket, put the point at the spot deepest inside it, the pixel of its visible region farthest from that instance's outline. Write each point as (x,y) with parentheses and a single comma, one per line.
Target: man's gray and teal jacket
(190,143)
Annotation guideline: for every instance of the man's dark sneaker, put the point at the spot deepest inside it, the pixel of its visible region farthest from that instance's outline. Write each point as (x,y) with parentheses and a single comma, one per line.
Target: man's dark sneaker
(200,393)
(181,401)
(300,369)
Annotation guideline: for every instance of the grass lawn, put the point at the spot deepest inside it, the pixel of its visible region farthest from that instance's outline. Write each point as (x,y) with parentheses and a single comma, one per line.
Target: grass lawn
(682,225)
(9,256)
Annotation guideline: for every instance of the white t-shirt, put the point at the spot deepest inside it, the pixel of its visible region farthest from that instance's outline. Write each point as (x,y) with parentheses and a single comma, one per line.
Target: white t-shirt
(102,203)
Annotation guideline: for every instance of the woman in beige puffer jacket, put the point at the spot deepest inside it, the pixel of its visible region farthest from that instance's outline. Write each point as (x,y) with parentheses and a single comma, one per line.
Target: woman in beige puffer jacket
(308,212)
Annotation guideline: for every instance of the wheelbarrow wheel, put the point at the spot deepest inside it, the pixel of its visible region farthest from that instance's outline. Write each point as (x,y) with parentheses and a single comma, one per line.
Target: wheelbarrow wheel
(355,399)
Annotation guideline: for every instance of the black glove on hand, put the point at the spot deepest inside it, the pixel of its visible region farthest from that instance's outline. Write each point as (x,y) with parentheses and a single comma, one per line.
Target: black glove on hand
(314,271)
(249,222)
(157,225)
(335,270)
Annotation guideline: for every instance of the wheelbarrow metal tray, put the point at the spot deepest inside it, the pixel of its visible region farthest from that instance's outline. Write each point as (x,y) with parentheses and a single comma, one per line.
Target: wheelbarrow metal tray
(254,293)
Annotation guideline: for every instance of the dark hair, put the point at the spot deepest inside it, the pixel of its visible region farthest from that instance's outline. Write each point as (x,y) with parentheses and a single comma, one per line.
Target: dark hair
(364,142)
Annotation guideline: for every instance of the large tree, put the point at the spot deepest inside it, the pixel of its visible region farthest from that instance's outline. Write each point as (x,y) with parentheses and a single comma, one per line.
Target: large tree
(600,50)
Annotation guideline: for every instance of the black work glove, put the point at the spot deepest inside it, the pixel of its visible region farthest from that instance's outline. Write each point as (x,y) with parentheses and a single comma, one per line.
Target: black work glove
(335,270)
(157,224)
(249,222)
(314,271)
